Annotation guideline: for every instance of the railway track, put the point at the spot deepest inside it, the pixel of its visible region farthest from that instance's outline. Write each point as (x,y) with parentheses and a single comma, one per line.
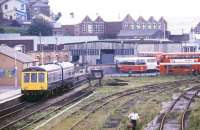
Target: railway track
(13,110)
(83,113)
(179,124)
(56,106)
(21,112)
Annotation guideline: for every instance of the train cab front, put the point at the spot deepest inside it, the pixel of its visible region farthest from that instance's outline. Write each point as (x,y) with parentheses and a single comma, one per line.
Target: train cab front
(34,83)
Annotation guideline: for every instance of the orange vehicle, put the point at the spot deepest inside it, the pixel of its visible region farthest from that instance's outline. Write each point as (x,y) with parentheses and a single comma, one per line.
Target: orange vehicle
(180,63)
(136,64)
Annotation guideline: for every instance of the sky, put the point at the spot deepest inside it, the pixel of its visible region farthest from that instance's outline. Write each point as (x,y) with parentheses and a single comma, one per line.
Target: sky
(181,15)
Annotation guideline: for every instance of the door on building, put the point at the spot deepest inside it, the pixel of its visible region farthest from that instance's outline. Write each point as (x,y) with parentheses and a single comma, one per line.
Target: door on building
(107,56)
(75,58)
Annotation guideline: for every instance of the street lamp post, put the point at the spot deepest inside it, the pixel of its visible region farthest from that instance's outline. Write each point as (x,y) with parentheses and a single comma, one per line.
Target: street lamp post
(16,78)
(55,49)
(41,49)
(136,48)
(122,47)
(86,53)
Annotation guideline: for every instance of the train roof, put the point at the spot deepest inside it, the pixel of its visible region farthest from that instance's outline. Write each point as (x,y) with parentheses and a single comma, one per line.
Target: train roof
(48,67)
(66,64)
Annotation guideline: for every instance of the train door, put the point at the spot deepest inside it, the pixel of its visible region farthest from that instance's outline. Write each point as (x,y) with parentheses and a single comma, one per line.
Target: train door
(75,58)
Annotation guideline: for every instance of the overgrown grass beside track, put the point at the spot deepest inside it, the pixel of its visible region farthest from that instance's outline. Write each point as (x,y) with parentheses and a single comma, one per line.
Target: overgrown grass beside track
(148,106)
(194,118)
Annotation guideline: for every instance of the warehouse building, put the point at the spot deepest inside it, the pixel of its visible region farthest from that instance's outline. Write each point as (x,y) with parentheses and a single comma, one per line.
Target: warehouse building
(36,43)
(104,51)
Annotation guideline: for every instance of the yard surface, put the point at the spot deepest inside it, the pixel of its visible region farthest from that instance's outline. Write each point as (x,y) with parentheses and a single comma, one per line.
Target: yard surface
(148,105)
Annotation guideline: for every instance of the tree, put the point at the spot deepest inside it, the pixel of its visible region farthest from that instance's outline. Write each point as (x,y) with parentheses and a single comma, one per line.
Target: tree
(58,16)
(41,27)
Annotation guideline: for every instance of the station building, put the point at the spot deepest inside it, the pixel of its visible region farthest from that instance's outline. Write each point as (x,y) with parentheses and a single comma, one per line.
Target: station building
(104,51)
(12,64)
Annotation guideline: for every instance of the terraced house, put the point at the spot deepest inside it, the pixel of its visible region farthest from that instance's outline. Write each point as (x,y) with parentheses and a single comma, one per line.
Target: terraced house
(143,29)
(36,7)
(128,28)
(13,9)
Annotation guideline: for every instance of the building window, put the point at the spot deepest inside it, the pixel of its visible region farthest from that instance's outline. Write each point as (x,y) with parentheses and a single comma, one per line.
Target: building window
(96,29)
(35,10)
(101,28)
(22,6)
(6,6)
(90,28)
(11,17)
(138,26)
(84,28)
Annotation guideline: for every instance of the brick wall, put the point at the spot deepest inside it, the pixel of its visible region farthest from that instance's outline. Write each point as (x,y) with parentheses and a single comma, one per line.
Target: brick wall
(8,64)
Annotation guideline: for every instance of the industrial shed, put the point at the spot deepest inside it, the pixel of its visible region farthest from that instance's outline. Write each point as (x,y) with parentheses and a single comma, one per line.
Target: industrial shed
(104,51)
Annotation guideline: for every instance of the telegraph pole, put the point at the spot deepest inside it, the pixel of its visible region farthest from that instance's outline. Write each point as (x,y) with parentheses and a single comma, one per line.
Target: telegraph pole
(41,49)
(16,72)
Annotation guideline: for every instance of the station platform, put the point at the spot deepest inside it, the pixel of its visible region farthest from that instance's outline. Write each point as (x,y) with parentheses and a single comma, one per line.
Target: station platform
(8,93)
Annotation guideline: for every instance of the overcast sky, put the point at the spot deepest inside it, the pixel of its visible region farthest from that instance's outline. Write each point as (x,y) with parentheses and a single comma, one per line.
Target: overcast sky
(180,14)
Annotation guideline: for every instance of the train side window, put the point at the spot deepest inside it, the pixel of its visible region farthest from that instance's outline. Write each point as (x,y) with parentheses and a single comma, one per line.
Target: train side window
(34,77)
(151,60)
(26,77)
(132,63)
(41,77)
(140,62)
(49,77)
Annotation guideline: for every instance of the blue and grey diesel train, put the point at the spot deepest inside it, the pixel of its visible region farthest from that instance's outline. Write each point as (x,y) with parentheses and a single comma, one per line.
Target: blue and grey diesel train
(48,78)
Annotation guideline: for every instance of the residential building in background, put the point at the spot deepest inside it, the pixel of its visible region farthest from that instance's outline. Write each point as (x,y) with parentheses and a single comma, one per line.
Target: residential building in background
(36,7)
(196,29)
(127,28)
(143,29)
(13,10)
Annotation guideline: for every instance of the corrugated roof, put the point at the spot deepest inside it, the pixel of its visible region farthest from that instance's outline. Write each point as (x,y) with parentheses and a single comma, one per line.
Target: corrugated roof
(19,56)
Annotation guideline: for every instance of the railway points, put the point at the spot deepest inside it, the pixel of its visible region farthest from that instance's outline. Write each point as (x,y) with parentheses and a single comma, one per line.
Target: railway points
(15,116)
(148,84)
(104,105)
